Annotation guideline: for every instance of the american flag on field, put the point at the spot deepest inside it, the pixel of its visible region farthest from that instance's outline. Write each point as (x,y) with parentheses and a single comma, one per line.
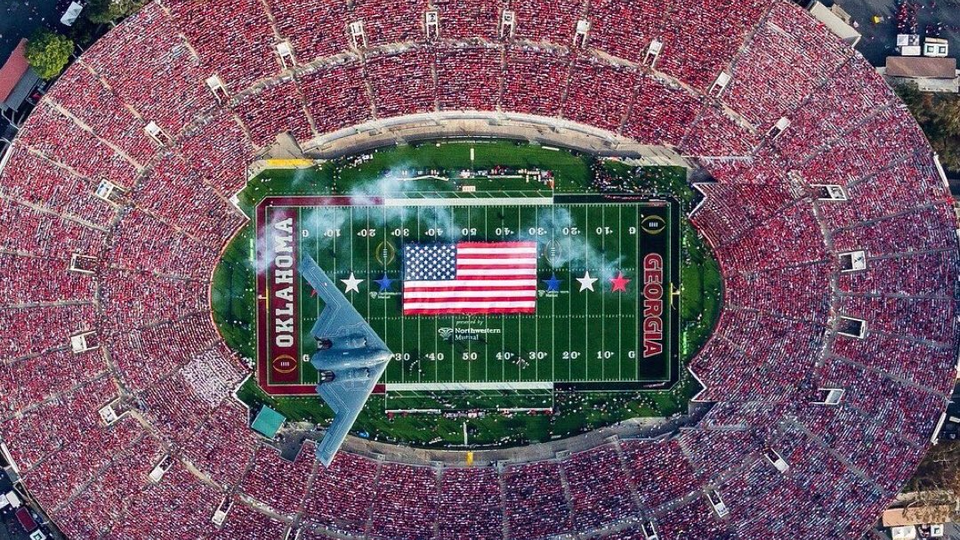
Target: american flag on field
(470,278)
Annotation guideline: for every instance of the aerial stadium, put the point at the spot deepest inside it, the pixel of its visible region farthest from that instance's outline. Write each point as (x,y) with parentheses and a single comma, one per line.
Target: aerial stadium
(493,270)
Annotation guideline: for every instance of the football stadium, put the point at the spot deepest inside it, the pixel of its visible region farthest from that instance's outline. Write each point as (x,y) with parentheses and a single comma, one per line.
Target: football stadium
(490,269)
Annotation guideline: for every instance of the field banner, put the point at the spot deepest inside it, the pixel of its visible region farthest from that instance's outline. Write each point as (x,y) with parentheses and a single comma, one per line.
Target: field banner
(279,255)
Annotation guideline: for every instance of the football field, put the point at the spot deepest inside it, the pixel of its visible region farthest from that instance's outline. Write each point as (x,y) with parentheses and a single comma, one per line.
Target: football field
(605,315)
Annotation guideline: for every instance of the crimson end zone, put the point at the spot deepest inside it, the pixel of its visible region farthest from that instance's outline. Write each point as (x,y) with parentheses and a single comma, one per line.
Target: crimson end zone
(280,357)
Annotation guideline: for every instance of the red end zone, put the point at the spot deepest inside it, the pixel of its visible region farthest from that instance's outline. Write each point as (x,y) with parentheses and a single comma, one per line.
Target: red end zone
(279,360)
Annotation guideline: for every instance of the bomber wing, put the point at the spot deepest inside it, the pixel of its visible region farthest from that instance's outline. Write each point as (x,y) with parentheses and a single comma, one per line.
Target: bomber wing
(351,387)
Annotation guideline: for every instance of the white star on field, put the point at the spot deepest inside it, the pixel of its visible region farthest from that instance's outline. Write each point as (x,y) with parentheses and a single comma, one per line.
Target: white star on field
(352,283)
(586,282)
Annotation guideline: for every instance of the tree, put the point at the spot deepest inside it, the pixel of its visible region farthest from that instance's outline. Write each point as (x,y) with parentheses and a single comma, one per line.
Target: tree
(48,53)
(939,117)
(937,480)
(109,11)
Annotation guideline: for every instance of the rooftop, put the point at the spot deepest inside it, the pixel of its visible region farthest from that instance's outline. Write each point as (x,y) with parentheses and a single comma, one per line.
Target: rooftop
(921,67)
(268,422)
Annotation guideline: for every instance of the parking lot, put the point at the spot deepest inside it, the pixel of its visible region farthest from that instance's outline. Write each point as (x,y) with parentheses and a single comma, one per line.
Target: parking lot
(935,18)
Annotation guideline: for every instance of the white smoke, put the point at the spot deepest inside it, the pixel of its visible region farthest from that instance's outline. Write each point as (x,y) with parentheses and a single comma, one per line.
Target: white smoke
(579,249)
(265,246)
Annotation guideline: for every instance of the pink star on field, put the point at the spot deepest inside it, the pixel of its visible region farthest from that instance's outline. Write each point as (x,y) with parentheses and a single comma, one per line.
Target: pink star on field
(619,283)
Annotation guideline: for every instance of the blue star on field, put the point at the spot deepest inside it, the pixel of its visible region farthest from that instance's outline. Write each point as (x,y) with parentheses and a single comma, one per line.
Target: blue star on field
(553,284)
(384,283)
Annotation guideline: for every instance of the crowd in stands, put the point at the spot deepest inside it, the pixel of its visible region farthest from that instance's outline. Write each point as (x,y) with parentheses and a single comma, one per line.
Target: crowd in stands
(660,471)
(70,449)
(661,112)
(218,448)
(98,161)
(701,37)
(406,502)
(32,380)
(717,134)
(276,482)
(796,292)
(273,109)
(477,489)
(223,165)
(600,492)
(315,28)
(145,242)
(460,19)
(925,274)
(389,21)
(540,20)
(41,280)
(52,187)
(534,501)
(111,120)
(104,501)
(778,241)
(342,495)
(840,104)
(899,188)
(534,82)
(924,228)
(790,237)
(779,69)
(624,28)
(402,83)
(178,195)
(145,354)
(336,97)
(599,94)
(468,78)
(922,363)
(234,41)
(244,522)
(151,69)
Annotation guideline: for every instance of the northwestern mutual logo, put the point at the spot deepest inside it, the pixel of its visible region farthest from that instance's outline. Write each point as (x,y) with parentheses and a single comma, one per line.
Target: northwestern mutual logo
(465,334)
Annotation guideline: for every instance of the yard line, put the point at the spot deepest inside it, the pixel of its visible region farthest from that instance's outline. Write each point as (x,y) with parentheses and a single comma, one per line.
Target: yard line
(299,302)
(419,333)
(503,344)
(519,320)
(367,226)
(603,299)
(638,323)
(553,308)
(536,319)
(671,253)
(586,304)
(385,233)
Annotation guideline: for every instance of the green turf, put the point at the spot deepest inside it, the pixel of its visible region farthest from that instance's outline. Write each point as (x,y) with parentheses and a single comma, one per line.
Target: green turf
(574,412)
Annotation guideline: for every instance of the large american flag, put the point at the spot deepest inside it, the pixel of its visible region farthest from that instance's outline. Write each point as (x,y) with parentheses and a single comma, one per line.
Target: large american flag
(470,278)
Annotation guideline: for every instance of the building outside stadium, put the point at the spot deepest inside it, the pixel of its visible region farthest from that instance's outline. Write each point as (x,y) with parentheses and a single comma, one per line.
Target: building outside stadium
(129,202)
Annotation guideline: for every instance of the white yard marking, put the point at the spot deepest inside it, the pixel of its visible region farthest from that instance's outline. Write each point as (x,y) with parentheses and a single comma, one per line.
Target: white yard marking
(449,202)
